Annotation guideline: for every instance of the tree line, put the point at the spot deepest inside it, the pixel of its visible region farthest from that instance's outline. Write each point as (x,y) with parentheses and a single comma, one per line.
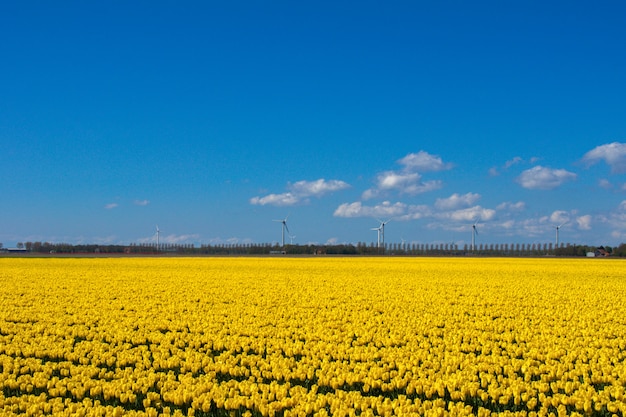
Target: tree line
(361,248)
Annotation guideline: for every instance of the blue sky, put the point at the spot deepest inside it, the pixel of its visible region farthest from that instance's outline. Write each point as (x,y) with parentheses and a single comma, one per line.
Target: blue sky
(212,119)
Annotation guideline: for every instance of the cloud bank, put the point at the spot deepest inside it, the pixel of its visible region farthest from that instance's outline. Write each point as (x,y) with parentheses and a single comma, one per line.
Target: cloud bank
(408,180)
(542,178)
(424,162)
(299,192)
(613,154)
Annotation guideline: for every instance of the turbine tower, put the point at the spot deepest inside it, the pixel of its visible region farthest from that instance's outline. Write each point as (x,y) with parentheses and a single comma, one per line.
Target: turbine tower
(474,233)
(381,232)
(284,227)
(557,233)
(382,226)
(158,232)
(378,229)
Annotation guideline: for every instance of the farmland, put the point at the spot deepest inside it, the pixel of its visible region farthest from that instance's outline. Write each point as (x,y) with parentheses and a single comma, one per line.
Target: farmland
(312,336)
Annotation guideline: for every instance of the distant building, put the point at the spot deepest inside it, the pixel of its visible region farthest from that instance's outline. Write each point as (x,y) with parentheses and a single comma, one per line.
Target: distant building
(16,250)
(598,253)
(601,251)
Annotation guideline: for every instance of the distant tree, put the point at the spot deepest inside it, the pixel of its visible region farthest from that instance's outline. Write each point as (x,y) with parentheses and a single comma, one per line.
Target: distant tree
(20,245)
(620,250)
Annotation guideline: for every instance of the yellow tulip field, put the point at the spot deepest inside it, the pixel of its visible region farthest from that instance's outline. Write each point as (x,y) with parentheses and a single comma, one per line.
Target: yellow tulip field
(312,336)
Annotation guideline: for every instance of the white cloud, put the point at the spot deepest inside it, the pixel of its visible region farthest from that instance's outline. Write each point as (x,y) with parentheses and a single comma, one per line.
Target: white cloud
(370,193)
(424,162)
(470,214)
(618,234)
(456,200)
(508,224)
(408,180)
(403,184)
(534,227)
(142,202)
(299,192)
(349,210)
(542,178)
(415,212)
(391,180)
(559,217)
(516,160)
(317,188)
(111,206)
(604,183)
(285,199)
(616,220)
(508,206)
(357,209)
(424,187)
(494,171)
(564,218)
(584,222)
(447,209)
(613,154)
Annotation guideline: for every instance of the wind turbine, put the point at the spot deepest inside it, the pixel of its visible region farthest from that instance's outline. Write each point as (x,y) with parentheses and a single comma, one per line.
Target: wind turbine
(474,233)
(292,237)
(557,233)
(284,227)
(158,232)
(378,229)
(381,232)
(382,225)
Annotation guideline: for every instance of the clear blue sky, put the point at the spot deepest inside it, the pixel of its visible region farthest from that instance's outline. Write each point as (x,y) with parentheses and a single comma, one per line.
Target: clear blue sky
(212,119)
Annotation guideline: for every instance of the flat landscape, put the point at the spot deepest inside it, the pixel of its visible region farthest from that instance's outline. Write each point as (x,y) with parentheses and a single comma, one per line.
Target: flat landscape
(312,336)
